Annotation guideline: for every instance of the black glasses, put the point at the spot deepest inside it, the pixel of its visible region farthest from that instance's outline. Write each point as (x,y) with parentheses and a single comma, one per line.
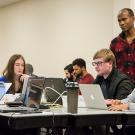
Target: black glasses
(98,63)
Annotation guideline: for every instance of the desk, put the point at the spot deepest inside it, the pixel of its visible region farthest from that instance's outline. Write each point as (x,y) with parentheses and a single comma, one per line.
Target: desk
(19,121)
(128,118)
(86,117)
(59,118)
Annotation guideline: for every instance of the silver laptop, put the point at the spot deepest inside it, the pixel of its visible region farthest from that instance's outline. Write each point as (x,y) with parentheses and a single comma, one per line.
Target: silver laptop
(93,96)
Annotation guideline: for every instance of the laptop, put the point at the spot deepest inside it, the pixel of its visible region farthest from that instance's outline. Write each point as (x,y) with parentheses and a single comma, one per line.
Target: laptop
(34,92)
(31,96)
(93,96)
(54,90)
(2,90)
(4,87)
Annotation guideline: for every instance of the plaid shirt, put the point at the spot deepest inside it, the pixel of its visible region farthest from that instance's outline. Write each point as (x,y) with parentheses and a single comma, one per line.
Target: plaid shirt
(125,55)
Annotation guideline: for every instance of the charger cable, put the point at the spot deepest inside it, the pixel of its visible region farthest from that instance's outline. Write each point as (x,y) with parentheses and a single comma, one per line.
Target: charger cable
(60,94)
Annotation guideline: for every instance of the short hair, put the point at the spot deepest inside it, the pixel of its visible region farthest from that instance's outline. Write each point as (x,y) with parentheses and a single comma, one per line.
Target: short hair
(106,54)
(130,11)
(79,62)
(69,68)
(28,68)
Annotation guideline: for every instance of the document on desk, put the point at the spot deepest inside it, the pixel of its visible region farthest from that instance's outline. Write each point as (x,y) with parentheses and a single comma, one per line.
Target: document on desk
(10,97)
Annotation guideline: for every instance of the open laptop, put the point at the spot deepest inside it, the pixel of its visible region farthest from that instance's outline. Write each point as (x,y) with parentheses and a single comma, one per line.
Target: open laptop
(93,96)
(31,96)
(4,87)
(34,92)
(2,90)
(54,89)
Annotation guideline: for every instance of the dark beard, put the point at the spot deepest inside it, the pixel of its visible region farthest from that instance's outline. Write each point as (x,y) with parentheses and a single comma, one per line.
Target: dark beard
(78,76)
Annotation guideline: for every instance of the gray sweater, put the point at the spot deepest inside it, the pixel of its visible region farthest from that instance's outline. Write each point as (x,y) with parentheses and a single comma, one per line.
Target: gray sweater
(130,100)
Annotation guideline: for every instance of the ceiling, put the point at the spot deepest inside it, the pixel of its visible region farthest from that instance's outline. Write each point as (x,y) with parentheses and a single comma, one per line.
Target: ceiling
(7,2)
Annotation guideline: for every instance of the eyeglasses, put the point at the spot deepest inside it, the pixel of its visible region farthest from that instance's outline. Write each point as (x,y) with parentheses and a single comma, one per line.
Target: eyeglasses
(99,63)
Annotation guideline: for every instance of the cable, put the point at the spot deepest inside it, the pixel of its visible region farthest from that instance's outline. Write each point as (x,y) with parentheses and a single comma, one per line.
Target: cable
(10,118)
(60,94)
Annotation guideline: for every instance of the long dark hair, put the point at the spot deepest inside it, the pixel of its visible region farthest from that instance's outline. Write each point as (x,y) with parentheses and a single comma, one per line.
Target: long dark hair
(8,72)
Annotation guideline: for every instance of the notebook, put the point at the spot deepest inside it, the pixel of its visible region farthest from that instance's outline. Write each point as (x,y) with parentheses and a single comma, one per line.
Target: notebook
(54,89)
(93,96)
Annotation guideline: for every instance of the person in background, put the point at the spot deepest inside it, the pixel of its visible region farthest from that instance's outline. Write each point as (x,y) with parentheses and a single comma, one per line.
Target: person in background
(80,72)
(15,73)
(123,46)
(124,104)
(69,73)
(28,69)
(114,84)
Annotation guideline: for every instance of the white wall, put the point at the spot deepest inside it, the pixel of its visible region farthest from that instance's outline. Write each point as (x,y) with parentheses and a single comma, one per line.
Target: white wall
(117,6)
(52,33)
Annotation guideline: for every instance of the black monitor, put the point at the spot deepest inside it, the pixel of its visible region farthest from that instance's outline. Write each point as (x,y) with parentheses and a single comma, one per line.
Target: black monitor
(54,89)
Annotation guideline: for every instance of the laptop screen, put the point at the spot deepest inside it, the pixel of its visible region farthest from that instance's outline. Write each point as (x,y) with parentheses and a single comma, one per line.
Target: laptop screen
(2,90)
(4,87)
(93,96)
(54,89)
(34,91)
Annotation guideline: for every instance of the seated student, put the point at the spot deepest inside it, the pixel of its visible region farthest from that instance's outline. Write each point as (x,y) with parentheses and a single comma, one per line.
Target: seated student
(14,73)
(29,70)
(124,104)
(69,73)
(80,72)
(114,84)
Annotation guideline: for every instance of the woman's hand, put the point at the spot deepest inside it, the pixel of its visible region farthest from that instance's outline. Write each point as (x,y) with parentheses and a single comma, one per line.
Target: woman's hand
(23,76)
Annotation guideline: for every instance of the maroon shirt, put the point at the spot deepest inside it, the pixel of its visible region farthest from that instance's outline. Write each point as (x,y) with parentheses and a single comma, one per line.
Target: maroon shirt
(87,79)
(125,55)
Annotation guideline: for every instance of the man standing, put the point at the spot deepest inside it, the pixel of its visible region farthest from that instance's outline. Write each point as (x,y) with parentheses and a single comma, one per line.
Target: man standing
(123,46)
(80,72)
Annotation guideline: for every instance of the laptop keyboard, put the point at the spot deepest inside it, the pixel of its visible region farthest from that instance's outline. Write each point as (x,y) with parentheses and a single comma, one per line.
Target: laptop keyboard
(16,109)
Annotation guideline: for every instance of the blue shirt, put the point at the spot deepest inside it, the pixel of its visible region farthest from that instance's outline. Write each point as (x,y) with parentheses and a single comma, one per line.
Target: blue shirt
(3,79)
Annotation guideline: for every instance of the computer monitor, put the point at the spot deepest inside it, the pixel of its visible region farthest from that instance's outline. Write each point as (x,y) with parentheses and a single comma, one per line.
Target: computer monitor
(33,93)
(54,89)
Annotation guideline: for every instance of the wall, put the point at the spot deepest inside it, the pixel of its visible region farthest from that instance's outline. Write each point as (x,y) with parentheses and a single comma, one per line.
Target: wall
(52,33)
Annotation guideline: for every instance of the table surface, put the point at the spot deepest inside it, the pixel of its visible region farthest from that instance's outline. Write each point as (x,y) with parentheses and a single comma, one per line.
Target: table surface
(60,118)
